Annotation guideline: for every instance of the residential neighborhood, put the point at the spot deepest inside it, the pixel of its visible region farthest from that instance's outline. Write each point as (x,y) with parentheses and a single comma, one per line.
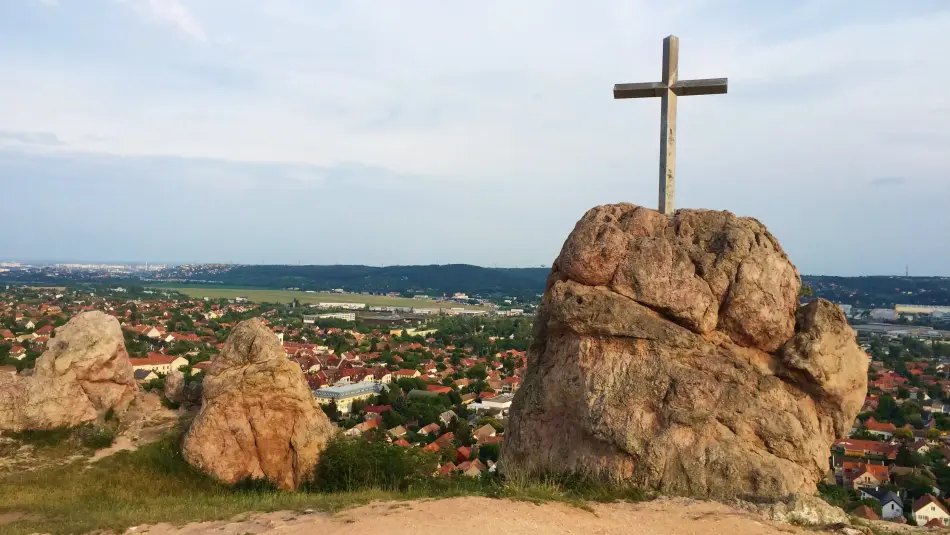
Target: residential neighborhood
(895,465)
(443,385)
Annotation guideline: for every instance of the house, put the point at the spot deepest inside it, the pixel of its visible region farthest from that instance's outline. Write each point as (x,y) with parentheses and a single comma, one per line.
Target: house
(928,508)
(46,330)
(159,363)
(438,389)
(429,429)
(362,427)
(447,469)
(472,468)
(202,366)
(398,431)
(868,449)
(884,430)
(6,335)
(447,417)
(18,352)
(144,376)
(463,454)
(860,475)
(891,504)
(401,374)
(484,432)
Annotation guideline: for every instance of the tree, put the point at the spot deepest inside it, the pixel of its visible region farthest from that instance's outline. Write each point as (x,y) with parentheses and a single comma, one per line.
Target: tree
(331,410)
(903,434)
(902,393)
(917,485)
(933,435)
(392,419)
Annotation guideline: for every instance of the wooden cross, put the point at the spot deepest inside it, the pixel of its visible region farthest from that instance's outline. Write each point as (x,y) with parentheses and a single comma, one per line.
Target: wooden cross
(670,88)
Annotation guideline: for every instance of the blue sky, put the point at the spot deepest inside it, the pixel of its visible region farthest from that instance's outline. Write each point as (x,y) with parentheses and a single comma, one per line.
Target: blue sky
(419,132)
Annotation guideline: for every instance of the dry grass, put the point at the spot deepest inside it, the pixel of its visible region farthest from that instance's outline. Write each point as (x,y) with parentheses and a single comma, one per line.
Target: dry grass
(154,484)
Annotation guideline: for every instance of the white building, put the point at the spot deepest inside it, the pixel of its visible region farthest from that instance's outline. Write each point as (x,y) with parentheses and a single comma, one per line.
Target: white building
(344,306)
(159,363)
(345,316)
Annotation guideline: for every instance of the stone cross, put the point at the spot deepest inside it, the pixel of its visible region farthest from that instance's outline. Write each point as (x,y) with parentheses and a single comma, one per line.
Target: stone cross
(670,88)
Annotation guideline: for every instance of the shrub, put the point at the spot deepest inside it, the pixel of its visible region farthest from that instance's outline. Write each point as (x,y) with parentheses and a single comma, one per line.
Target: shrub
(351,464)
(96,437)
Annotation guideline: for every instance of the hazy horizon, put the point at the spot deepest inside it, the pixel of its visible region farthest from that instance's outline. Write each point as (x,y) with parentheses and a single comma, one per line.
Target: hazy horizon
(548,266)
(353,132)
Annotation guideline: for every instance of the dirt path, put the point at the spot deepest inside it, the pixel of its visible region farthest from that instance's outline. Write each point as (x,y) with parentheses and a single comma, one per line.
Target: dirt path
(478,516)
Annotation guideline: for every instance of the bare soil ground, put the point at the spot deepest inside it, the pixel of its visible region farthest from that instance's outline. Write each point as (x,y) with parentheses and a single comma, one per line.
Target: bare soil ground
(478,516)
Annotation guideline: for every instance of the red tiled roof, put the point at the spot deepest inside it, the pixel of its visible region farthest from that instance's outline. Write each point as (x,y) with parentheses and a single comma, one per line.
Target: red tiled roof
(865,512)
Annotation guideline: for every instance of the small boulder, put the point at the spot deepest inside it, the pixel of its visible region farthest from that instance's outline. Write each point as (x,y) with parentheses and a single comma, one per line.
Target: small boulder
(258,417)
(175,386)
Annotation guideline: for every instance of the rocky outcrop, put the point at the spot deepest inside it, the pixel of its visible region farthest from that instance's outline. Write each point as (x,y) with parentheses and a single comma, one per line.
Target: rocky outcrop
(258,418)
(671,352)
(84,373)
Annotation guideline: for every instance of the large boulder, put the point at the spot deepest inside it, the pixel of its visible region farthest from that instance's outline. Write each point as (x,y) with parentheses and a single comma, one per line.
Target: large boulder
(258,418)
(84,373)
(90,350)
(670,352)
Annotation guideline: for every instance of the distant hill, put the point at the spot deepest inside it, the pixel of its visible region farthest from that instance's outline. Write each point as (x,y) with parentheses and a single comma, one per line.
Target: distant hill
(433,279)
(880,291)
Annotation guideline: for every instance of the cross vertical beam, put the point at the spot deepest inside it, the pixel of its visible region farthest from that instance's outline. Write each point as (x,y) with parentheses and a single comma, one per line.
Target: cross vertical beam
(668,90)
(671,46)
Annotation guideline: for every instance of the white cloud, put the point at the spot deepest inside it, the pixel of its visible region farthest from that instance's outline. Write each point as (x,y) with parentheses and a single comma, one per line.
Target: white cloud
(495,90)
(175,13)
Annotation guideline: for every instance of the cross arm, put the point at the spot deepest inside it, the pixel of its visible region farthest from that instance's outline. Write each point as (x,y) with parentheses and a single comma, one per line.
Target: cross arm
(644,90)
(706,86)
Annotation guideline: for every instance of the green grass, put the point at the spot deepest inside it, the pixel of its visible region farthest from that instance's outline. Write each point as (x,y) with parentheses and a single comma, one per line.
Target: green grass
(154,484)
(287,296)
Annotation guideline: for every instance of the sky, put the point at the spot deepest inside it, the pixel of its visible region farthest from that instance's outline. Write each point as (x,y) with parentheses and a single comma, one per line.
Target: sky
(424,131)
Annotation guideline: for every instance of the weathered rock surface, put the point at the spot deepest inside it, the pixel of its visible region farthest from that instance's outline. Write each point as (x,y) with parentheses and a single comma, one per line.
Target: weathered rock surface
(258,419)
(670,352)
(90,350)
(175,385)
(84,373)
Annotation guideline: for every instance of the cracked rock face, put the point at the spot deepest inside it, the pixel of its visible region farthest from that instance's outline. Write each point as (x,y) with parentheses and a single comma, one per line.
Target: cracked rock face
(258,418)
(84,373)
(670,352)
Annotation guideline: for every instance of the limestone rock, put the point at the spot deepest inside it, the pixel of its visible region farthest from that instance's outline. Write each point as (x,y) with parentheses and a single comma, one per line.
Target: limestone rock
(806,510)
(90,350)
(42,403)
(175,385)
(670,352)
(258,418)
(84,373)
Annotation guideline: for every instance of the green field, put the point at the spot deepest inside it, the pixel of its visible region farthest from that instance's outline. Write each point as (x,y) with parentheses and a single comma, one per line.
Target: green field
(287,296)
